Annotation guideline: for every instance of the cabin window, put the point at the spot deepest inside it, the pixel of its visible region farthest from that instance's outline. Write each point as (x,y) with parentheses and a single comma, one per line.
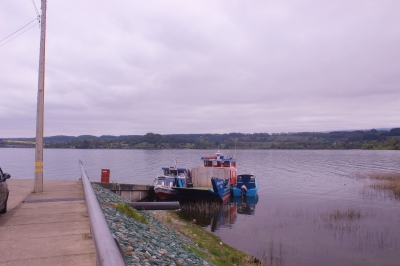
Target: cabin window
(181,173)
(173,172)
(252,179)
(208,163)
(239,179)
(217,164)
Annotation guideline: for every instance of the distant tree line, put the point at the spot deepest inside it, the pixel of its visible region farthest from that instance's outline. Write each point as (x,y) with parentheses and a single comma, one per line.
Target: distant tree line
(360,139)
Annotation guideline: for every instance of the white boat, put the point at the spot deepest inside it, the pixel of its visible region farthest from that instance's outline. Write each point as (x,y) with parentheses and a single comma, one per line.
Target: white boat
(170,178)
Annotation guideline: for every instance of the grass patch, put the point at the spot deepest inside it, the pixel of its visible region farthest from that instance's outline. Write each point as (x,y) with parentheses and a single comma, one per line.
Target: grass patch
(20,141)
(210,246)
(129,211)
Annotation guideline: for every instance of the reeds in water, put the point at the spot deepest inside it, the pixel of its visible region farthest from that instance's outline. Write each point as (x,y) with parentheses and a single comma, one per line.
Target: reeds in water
(345,221)
(204,207)
(202,212)
(383,181)
(351,214)
(275,255)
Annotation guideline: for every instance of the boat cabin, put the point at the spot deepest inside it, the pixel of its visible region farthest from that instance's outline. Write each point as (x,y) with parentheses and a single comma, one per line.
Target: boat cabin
(176,172)
(248,180)
(174,177)
(218,160)
(165,181)
(214,166)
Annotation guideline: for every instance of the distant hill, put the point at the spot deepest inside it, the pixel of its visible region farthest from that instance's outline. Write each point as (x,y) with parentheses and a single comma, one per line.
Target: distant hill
(358,139)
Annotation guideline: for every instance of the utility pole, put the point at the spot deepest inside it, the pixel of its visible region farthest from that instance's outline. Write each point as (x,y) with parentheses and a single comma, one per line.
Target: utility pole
(38,184)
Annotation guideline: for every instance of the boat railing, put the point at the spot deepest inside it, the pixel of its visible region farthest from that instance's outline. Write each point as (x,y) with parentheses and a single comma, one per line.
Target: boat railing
(108,250)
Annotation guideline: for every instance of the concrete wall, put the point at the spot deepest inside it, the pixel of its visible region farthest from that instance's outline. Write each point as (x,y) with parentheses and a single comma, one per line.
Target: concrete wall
(131,192)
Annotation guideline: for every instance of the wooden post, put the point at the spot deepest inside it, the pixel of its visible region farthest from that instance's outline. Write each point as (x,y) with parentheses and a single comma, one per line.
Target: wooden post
(38,184)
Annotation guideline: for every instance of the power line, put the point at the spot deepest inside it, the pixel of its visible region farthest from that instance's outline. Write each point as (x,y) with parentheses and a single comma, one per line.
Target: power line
(17,30)
(20,33)
(34,6)
(37,18)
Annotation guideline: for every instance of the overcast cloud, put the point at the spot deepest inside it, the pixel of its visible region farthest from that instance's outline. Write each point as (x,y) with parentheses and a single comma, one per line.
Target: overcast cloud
(132,67)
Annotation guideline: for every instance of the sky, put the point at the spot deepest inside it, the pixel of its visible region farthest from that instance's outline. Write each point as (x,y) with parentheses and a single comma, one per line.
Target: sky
(180,67)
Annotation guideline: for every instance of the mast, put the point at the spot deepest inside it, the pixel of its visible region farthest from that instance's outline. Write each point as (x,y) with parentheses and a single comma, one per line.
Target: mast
(38,184)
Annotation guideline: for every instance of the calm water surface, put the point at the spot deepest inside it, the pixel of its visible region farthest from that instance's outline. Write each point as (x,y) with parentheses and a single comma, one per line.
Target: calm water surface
(291,223)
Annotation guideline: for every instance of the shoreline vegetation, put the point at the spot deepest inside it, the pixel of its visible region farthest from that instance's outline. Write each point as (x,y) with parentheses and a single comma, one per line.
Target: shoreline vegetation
(211,247)
(361,139)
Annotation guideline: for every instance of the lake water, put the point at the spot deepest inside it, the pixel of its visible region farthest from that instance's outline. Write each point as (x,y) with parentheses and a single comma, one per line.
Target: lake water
(293,222)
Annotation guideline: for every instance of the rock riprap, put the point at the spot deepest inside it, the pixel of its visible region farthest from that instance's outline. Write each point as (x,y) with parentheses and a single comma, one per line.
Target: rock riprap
(146,244)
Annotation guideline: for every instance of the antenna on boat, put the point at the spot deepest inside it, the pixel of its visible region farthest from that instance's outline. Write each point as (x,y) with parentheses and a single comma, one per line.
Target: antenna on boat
(235,148)
(218,153)
(176,162)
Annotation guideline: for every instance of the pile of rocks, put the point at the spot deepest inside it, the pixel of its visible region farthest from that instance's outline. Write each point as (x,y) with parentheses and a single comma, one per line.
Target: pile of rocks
(146,244)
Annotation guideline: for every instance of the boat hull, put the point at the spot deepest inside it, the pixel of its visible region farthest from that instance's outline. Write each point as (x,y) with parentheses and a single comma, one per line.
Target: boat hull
(237,192)
(163,193)
(219,191)
(196,193)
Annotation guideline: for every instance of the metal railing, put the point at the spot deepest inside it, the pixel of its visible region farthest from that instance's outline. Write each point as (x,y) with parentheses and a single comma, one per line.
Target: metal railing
(108,252)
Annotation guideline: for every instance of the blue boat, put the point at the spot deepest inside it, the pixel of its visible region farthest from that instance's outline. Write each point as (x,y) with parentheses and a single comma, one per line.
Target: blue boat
(246,186)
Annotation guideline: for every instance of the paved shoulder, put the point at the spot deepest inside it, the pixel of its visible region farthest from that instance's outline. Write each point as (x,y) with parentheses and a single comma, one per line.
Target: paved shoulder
(49,228)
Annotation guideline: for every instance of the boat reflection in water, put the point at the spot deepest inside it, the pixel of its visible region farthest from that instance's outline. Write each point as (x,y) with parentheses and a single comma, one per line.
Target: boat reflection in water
(215,214)
(245,205)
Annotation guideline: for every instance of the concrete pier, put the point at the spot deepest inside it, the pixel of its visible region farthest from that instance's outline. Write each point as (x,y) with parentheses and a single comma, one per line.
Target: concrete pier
(131,192)
(49,228)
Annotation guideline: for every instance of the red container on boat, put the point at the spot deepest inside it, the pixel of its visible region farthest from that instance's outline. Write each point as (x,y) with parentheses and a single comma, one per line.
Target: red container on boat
(105,175)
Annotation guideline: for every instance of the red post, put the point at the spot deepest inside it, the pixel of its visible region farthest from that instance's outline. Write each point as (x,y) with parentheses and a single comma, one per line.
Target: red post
(105,175)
